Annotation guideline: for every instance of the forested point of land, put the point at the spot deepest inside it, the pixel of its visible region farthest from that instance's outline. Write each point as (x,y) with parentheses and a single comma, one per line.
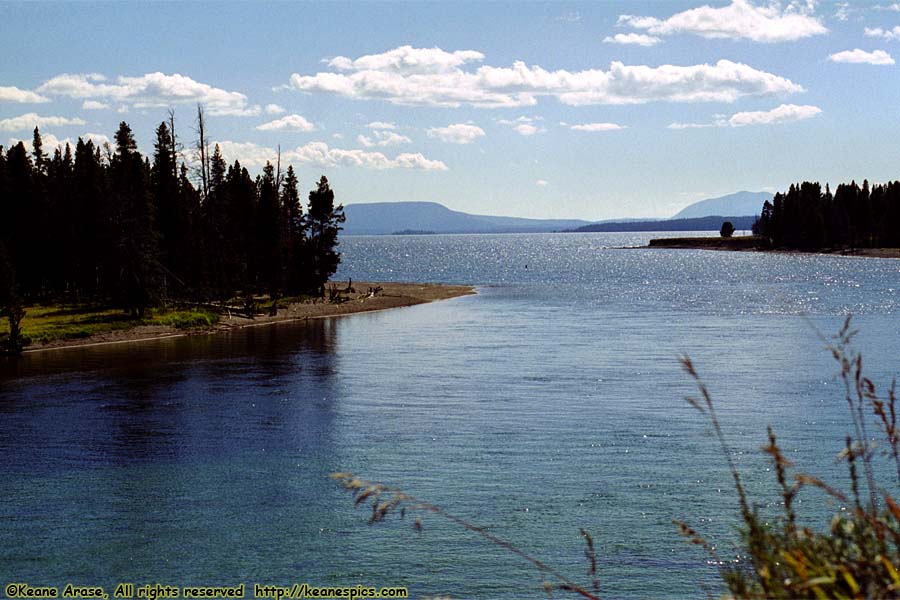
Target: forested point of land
(806,218)
(108,225)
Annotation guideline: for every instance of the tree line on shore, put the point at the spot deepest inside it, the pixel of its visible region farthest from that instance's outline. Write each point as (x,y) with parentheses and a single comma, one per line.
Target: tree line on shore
(852,217)
(106,224)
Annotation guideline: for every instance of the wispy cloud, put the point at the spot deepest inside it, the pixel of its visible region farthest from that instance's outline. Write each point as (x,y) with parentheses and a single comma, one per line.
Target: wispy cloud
(13,94)
(785,113)
(739,20)
(433,77)
(542,183)
(857,56)
(274,109)
(524,125)
(320,154)
(569,17)
(150,90)
(94,105)
(458,133)
(381,125)
(597,127)
(32,120)
(842,11)
(288,123)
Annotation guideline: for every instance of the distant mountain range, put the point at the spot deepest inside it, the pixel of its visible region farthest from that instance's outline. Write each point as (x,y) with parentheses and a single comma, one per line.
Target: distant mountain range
(714,223)
(383,218)
(739,203)
(379,218)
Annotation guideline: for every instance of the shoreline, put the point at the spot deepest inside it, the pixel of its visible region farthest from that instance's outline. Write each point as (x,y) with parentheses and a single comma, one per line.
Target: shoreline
(392,295)
(749,244)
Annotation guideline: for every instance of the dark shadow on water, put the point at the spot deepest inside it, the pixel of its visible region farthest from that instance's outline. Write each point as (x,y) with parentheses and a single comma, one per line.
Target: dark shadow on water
(185,457)
(174,400)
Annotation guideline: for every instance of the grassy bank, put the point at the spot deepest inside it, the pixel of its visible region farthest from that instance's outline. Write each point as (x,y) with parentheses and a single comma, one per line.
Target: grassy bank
(44,324)
(63,325)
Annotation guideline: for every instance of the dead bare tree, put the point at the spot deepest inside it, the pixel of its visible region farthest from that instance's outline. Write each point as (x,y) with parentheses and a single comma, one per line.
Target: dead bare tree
(203,154)
(175,148)
(278,172)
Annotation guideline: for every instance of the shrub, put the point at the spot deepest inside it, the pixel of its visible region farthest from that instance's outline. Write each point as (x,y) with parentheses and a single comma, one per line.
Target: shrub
(727,229)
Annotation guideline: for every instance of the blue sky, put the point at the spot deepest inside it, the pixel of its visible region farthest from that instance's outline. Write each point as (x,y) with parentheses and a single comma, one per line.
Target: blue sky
(542,109)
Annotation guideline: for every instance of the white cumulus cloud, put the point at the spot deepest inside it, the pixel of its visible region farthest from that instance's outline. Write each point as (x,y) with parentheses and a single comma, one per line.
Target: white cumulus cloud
(99,139)
(381,125)
(51,142)
(407,59)
(458,133)
(638,39)
(442,80)
(741,19)
(13,94)
(32,120)
(383,138)
(595,127)
(526,129)
(320,154)
(785,113)
(94,105)
(150,91)
(288,123)
(274,109)
(888,34)
(857,56)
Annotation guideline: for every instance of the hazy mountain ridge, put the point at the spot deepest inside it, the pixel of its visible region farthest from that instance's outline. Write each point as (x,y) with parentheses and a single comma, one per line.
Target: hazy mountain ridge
(738,203)
(385,218)
(710,223)
(380,218)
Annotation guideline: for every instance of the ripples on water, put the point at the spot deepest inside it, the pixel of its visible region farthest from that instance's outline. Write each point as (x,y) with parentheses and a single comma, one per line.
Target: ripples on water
(550,401)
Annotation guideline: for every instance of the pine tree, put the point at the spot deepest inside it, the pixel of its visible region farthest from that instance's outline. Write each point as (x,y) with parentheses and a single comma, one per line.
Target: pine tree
(37,151)
(268,240)
(173,216)
(137,240)
(18,214)
(324,221)
(293,232)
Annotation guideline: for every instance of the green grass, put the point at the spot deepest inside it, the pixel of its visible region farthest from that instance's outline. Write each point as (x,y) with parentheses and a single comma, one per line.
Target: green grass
(48,323)
(186,319)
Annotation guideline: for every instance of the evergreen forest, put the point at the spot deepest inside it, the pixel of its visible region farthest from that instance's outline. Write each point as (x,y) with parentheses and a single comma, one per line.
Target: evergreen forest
(854,216)
(107,225)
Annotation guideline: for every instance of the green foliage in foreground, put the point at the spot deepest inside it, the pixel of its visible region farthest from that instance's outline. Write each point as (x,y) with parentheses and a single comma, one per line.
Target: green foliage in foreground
(43,324)
(856,556)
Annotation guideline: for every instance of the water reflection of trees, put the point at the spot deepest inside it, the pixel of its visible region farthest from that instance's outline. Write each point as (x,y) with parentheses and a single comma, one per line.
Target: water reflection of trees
(175,397)
(172,440)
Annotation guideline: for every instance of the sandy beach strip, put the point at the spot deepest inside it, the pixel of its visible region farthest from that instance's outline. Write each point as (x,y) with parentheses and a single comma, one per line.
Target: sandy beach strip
(391,295)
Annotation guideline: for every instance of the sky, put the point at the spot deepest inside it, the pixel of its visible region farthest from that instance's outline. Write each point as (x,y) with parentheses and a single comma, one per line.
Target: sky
(593,110)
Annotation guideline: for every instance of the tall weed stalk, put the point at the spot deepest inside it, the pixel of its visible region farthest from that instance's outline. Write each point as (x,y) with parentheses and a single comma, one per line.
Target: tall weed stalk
(858,556)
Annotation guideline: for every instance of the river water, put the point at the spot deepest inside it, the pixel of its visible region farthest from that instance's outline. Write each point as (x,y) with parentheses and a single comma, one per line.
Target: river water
(550,401)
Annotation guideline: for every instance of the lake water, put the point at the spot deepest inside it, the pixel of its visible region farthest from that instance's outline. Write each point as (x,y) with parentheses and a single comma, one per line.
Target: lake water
(551,400)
